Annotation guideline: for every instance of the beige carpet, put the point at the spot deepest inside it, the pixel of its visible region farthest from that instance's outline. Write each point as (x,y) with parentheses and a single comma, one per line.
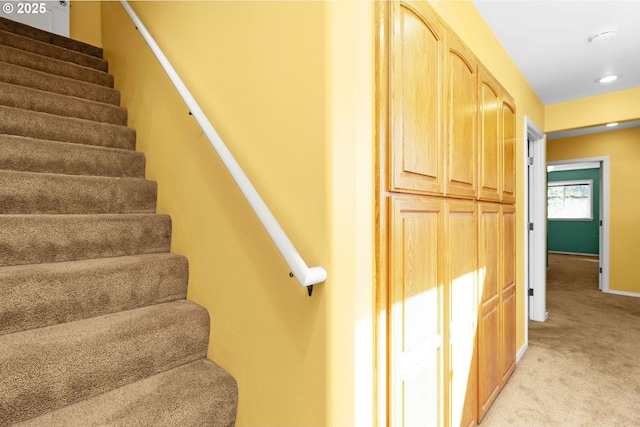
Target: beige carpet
(582,367)
(95,329)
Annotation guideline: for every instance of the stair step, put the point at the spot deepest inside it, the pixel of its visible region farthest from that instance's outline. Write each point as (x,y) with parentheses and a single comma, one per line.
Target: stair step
(33,124)
(47,37)
(54,66)
(37,295)
(23,76)
(36,155)
(46,49)
(44,193)
(34,239)
(63,105)
(211,393)
(48,368)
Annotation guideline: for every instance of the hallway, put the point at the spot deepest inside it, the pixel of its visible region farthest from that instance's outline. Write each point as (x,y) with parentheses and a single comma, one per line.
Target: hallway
(581,367)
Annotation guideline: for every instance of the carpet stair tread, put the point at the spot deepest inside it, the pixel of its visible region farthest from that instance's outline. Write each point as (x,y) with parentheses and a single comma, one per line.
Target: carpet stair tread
(63,105)
(33,239)
(21,153)
(38,295)
(24,76)
(44,193)
(48,368)
(95,328)
(46,49)
(47,37)
(34,124)
(207,389)
(54,66)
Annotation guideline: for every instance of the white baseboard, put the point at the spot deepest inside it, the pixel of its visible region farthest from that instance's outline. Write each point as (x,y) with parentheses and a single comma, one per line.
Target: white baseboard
(572,253)
(626,294)
(521,352)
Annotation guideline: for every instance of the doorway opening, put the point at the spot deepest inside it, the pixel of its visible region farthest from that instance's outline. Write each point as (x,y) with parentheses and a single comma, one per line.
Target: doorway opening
(602,208)
(535,224)
(49,15)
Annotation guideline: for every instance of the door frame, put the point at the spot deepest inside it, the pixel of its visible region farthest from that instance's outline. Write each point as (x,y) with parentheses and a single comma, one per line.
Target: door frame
(535,266)
(604,213)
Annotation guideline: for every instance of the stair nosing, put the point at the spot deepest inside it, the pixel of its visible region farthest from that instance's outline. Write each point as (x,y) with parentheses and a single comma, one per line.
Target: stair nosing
(6,24)
(44,59)
(66,80)
(103,105)
(103,63)
(130,144)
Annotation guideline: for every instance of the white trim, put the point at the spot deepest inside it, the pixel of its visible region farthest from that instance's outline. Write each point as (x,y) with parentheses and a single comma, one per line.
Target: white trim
(573,167)
(304,275)
(536,278)
(604,212)
(624,293)
(521,352)
(574,253)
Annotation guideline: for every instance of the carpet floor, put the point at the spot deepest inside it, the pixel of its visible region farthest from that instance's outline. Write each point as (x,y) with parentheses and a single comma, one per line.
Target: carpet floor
(95,327)
(581,367)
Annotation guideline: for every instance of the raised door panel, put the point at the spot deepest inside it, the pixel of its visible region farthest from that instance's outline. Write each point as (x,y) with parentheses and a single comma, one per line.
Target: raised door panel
(489,347)
(416,357)
(508,335)
(461,239)
(509,151)
(489,148)
(508,297)
(462,115)
(416,147)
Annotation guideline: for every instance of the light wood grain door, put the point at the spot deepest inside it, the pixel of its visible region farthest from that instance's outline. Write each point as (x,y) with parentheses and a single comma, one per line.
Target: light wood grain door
(509,151)
(461,237)
(416,161)
(490,143)
(508,290)
(462,95)
(489,369)
(416,324)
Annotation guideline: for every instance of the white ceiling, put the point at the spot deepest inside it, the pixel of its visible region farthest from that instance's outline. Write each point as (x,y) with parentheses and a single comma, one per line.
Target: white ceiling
(592,129)
(549,41)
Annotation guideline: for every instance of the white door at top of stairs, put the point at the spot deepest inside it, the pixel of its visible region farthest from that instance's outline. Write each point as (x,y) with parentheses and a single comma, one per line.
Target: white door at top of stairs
(48,15)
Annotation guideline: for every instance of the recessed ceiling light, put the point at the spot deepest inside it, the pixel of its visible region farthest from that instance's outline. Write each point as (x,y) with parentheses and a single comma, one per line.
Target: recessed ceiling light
(610,125)
(607,79)
(603,37)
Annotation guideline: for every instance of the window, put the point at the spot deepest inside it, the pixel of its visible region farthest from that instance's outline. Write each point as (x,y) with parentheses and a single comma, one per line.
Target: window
(570,200)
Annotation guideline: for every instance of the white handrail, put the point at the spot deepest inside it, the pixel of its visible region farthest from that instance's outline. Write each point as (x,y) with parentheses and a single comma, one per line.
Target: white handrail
(306,276)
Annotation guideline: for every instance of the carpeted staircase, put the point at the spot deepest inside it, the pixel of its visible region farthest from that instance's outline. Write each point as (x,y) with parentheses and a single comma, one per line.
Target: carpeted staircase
(95,329)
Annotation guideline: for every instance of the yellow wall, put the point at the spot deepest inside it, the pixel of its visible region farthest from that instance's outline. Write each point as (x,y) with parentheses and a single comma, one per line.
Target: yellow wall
(618,106)
(289,85)
(624,156)
(350,292)
(258,70)
(85,22)
(466,21)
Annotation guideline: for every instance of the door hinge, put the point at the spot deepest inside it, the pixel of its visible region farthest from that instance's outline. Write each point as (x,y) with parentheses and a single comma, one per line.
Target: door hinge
(600,223)
(530,292)
(600,269)
(529,161)
(530,226)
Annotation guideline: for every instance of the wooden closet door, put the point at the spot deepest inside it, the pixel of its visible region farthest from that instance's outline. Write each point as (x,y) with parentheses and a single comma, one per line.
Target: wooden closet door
(416,323)
(508,290)
(461,237)
(490,143)
(509,151)
(489,346)
(462,89)
(416,161)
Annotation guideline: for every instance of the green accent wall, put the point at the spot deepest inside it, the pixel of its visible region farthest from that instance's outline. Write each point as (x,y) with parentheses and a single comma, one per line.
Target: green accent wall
(576,236)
